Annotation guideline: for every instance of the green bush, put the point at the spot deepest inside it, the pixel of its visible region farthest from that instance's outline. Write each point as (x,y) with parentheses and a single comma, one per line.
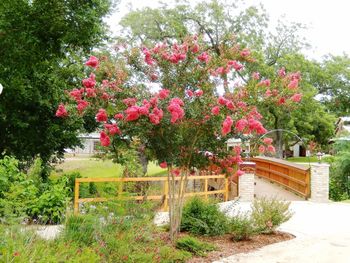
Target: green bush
(242,227)
(80,229)
(268,214)
(339,182)
(27,196)
(194,246)
(202,217)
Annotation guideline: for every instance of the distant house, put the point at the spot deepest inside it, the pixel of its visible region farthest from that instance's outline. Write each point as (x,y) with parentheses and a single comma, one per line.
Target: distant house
(90,143)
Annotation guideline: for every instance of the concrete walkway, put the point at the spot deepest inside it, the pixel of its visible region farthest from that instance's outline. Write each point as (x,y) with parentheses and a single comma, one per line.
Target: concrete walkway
(268,189)
(322,233)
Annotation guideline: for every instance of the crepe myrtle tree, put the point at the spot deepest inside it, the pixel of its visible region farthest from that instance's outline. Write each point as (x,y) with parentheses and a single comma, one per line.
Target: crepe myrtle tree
(181,121)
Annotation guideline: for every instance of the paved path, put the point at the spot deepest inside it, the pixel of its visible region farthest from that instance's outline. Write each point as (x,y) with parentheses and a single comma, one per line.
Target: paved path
(266,188)
(322,233)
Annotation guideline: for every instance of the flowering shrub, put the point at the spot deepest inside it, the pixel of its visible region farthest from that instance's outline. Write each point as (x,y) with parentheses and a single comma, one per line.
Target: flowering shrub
(185,117)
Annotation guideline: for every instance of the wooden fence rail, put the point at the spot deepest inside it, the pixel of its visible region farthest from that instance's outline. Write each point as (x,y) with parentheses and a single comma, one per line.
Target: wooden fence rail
(292,176)
(163,196)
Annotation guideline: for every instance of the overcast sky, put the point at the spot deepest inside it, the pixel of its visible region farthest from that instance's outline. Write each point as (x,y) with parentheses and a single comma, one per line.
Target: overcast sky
(327,21)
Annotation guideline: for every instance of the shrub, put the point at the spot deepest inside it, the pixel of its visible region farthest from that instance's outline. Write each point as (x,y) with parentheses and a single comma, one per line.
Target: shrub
(268,214)
(27,196)
(80,229)
(194,246)
(203,218)
(50,206)
(242,227)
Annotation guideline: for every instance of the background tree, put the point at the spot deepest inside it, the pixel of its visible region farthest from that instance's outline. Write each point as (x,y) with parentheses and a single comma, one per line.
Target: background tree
(334,84)
(40,41)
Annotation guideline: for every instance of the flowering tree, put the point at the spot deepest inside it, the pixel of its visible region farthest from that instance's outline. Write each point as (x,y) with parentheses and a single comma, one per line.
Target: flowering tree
(167,97)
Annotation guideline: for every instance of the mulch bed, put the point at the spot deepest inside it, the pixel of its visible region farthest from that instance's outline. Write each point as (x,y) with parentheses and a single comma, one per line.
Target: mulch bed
(226,247)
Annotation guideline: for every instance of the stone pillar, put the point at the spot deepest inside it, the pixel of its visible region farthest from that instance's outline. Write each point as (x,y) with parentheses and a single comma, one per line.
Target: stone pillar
(246,182)
(319,182)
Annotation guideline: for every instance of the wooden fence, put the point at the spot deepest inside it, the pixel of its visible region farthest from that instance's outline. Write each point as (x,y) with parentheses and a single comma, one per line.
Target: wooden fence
(292,176)
(163,196)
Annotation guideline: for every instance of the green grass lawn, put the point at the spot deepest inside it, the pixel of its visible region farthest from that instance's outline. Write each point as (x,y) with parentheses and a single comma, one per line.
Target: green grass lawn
(312,159)
(92,167)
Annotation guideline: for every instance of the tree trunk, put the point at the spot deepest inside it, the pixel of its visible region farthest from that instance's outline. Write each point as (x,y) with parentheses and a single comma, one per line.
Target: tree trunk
(279,144)
(177,189)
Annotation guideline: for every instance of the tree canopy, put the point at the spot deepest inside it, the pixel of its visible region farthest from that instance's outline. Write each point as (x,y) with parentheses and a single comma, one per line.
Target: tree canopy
(218,22)
(40,41)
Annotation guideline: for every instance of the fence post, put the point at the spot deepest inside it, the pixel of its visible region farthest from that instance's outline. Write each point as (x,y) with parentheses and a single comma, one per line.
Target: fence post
(226,189)
(166,193)
(319,182)
(76,197)
(206,188)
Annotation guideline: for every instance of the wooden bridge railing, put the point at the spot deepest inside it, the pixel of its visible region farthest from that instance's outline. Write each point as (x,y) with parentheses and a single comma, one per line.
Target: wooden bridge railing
(163,196)
(292,176)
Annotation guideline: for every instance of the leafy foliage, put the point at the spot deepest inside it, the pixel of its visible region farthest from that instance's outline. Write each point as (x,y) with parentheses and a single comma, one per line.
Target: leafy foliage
(25,196)
(193,245)
(203,218)
(242,227)
(105,234)
(339,187)
(40,41)
(268,214)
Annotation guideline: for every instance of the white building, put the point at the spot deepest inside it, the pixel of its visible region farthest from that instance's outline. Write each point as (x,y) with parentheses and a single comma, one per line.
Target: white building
(90,143)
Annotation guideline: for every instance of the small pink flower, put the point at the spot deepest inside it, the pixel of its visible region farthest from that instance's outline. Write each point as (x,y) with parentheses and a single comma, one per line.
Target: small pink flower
(189,93)
(105,96)
(245,52)
(271,149)
(92,62)
(296,97)
(176,172)
(230,105)
(132,113)
(163,93)
(101,116)
(256,75)
(82,104)
(237,66)
(262,149)
(265,83)
(268,93)
(226,126)
(198,92)
(104,139)
(119,116)
(112,129)
(293,84)
(281,101)
(129,101)
(215,110)
(239,173)
(195,48)
(163,165)
(61,111)
(222,101)
(89,82)
(204,57)
(268,140)
(241,124)
(76,94)
(282,72)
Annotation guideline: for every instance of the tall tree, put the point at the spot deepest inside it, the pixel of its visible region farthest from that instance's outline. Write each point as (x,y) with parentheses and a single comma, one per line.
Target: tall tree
(218,22)
(40,41)
(334,84)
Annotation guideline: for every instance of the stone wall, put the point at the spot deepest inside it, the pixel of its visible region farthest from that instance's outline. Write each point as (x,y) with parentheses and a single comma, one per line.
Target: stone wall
(246,187)
(319,182)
